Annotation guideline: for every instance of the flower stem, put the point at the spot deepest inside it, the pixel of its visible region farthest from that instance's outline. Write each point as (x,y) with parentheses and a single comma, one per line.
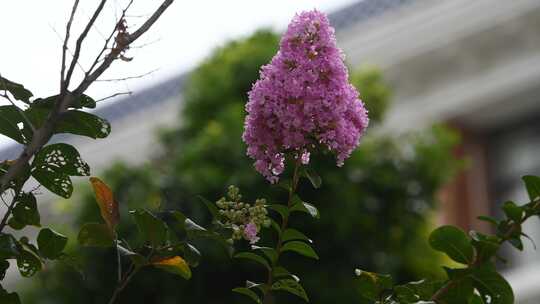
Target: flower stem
(123,283)
(267,299)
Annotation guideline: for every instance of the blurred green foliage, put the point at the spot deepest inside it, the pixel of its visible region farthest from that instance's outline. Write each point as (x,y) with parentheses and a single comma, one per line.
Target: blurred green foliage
(375,211)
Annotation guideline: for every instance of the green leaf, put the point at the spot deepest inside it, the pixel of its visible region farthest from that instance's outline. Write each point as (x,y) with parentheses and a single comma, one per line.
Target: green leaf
(18,91)
(14,224)
(210,206)
(486,245)
(9,119)
(513,211)
(248,292)
(72,261)
(260,286)
(423,289)
(152,229)
(84,101)
(51,243)
(462,292)
(284,184)
(301,248)
(8,298)
(175,265)
(281,209)
(516,243)
(28,263)
(532,183)
(95,235)
(454,242)
(371,285)
(84,124)
(138,259)
(19,181)
(192,255)
(73,122)
(476,299)
(253,257)
(269,252)
(53,166)
(301,206)
(275,226)
(4,265)
(8,246)
(61,158)
(291,234)
(488,219)
(406,294)
(280,272)
(291,286)
(313,177)
(196,231)
(56,182)
(25,243)
(492,285)
(25,211)
(176,221)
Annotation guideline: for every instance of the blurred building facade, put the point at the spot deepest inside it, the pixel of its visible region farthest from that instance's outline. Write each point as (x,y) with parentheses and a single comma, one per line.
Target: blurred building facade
(473,64)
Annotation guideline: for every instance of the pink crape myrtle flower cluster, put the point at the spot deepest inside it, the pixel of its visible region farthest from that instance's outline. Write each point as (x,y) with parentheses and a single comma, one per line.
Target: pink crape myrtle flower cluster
(303,100)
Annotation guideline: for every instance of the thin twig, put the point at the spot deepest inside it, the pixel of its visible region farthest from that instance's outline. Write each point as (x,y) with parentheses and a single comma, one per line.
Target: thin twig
(3,200)
(98,58)
(93,76)
(68,49)
(65,45)
(46,130)
(130,273)
(127,78)
(123,283)
(145,44)
(10,208)
(80,41)
(114,95)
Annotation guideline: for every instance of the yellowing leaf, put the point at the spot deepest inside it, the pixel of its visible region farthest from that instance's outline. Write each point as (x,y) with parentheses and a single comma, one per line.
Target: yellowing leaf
(176,265)
(106,202)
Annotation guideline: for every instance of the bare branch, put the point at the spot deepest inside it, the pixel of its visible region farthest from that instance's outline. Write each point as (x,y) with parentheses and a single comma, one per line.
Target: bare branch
(114,95)
(145,44)
(46,130)
(146,26)
(65,46)
(115,52)
(9,209)
(68,49)
(127,78)
(98,58)
(80,40)
(3,200)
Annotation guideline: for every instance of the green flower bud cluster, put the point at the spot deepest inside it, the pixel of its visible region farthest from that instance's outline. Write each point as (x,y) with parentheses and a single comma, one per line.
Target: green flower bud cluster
(241,216)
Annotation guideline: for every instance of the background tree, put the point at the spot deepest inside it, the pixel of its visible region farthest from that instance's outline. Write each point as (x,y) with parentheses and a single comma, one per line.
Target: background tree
(375,211)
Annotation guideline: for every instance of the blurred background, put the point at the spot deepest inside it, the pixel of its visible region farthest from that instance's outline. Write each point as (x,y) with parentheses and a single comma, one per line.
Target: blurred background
(452,89)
